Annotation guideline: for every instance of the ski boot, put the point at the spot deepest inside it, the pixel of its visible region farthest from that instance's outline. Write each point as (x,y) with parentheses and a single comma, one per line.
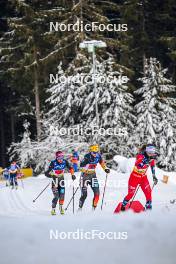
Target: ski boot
(148,205)
(93,208)
(53,211)
(173,201)
(124,203)
(62,212)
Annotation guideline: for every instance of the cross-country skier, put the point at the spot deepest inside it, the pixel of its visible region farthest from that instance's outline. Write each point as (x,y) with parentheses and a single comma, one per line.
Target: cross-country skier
(74,158)
(6,176)
(144,159)
(13,171)
(56,172)
(88,176)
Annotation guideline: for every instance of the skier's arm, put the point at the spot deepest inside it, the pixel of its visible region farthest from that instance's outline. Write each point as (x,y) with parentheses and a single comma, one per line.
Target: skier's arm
(152,165)
(71,170)
(140,164)
(139,161)
(84,162)
(69,166)
(48,173)
(103,165)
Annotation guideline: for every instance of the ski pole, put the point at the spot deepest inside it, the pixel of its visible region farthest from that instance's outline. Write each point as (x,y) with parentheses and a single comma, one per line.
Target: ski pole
(22,183)
(104,191)
(71,198)
(41,193)
(134,195)
(153,186)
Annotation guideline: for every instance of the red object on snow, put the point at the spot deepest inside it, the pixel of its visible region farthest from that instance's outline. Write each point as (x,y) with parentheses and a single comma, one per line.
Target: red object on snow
(136,207)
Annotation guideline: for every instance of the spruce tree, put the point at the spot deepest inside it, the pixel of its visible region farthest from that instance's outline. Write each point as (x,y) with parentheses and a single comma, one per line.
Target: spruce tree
(155,111)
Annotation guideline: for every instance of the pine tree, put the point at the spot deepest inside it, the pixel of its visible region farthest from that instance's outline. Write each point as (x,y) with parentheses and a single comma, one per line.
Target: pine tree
(167,20)
(134,42)
(74,104)
(167,142)
(155,111)
(23,151)
(29,48)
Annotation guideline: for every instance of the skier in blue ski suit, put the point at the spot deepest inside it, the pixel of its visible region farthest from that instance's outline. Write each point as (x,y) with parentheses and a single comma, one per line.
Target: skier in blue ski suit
(13,171)
(6,175)
(74,158)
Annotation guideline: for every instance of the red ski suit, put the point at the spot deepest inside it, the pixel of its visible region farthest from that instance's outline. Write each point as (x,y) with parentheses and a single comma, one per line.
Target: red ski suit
(138,176)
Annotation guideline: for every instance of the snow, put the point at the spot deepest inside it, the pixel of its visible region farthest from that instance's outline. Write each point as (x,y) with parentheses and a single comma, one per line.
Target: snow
(125,165)
(25,226)
(41,176)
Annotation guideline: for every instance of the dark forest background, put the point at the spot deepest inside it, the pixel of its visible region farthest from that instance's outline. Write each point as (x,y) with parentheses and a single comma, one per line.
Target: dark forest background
(30,54)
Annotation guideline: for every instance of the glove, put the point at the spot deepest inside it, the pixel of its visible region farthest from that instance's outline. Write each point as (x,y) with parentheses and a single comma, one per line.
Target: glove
(73,177)
(155,180)
(52,173)
(107,170)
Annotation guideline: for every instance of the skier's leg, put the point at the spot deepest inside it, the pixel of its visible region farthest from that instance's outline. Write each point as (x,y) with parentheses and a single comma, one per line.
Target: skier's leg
(61,195)
(84,183)
(7,179)
(132,185)
(12,180)
(145,186)
(75,167)
(61,189)
(56,195)
(15,180)
(96,190)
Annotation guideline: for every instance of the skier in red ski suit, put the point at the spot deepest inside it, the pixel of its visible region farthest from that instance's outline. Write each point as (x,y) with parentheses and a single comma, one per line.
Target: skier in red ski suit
(144,159)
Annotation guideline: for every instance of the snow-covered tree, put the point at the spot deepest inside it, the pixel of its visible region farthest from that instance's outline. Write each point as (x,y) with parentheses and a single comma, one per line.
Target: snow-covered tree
(38,154)
(74,103)
(156,115)
(114,107)
(167,136)
(23,151)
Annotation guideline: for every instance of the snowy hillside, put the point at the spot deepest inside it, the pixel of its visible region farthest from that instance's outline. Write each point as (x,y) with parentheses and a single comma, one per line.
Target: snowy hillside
(25,226)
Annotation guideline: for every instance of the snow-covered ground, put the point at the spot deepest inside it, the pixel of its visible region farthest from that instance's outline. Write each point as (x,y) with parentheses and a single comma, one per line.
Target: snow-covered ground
(25,227)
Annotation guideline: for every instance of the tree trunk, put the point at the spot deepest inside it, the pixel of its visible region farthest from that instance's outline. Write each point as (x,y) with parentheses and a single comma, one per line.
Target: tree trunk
(12,124)
(144,64)
(37,103)
(143,29)
(2,139)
